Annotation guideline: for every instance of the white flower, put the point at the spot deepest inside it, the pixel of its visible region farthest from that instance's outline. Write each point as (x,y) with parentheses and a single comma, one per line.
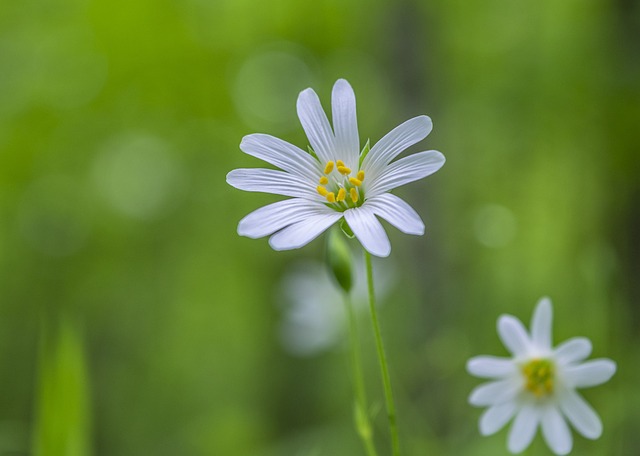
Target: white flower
(336,180)
(538,384)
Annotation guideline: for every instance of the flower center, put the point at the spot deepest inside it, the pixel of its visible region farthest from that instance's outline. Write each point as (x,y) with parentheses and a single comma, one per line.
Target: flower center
(539,376)
(341,189)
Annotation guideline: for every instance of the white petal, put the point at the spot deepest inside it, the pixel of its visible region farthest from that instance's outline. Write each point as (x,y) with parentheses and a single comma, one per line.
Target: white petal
(345,124)
(273,217)
(556,432)
(541,325)
(272,181)
(591,373)
(523,429)
(490,366)
(572,350)
(513,335)
(368,230)
(316,125)
(281,154)
(494,393)
(405,170)
(301,233)
(394,142)
(397,212)
(495,417)
(583,418)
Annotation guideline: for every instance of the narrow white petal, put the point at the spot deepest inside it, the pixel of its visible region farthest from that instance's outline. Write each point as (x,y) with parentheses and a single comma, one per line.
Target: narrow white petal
(395,142)
(523,429)
(368,230)
(541,325)
(491,367)
(494,393)
(556,432)
(301,233)
(273,217)
(513,335)
(272,181)
(281,154)
(588,374)
(397,212)
(495,417)
(345,124)
(583,418)
(316,125)
(573,350)
(404,171)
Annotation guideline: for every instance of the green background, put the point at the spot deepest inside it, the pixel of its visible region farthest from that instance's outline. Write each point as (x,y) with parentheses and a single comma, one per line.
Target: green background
(135,321)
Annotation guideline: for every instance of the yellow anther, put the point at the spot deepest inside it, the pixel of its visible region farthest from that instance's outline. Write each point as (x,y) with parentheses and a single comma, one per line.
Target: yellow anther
(342,194)
(324,180)
(356,182)
(323,191)
(339,163)
(360,176)
(328,168)
(331,197)
(344,170)
(354,195)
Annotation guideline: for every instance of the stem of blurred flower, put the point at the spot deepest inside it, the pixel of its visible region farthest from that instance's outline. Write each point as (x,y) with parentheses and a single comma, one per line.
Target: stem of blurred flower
(391,408)
(361,410)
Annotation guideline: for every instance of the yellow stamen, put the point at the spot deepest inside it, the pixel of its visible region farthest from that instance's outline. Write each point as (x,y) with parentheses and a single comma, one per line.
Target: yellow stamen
(324,180)
(539,377)
(354,195)
(344,170)
(323,191)
(355,181)
(328,168)
(360,176)
(331,197)
(342,193)
(339,163)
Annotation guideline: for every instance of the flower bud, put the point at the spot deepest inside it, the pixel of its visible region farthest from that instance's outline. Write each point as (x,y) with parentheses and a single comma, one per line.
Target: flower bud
(339,260)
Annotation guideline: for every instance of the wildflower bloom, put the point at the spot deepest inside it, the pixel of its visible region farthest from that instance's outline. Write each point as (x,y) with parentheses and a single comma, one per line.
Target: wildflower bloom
(334,180)
(537,385)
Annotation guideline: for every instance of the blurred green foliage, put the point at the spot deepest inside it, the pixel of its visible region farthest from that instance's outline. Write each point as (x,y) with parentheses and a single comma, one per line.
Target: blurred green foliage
(118,123)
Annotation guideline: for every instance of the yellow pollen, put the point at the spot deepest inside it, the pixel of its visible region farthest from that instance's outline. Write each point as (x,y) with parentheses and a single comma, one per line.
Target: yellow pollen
(339,163)
(354,195)
(323,191)
(539,377)
(328,168)
(356,182)
(344,170)
(324,180)
(331,197)
(360,176)
(342,193)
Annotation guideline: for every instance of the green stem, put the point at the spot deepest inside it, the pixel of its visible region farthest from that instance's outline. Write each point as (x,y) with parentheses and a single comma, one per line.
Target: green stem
(391,408)
(361,412)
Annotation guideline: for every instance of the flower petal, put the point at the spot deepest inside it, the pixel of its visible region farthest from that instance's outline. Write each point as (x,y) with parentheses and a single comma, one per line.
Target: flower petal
(271,181)
(496,416)
(281,154)
(583,418)
(490,366)
(405,170)
(397,212)
(513,335)
(345,124)
(301,233)
(556,432)
(316,125)
(494,393)
(572,350)
(524,428)
(541,325)
(368,230)
(273,217)
(588,374)
(394,142)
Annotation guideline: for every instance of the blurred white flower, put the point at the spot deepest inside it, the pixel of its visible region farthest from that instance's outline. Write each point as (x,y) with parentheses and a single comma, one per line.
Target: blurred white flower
(537,385)
(336,180)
